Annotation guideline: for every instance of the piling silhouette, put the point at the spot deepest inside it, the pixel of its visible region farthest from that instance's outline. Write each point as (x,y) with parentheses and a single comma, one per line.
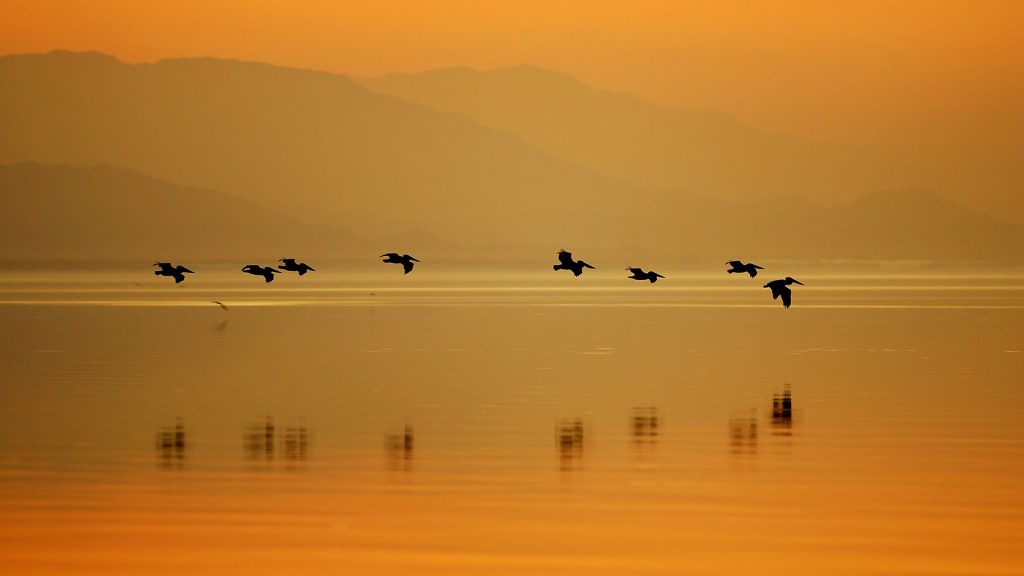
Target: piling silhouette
(780,288)
(739,266)
(290,265)
(639,274)
(256,270)
(404,259)
(565,262)
(176,272)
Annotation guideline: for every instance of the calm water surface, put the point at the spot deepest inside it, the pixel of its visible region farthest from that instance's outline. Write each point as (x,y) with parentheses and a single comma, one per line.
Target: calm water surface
(516,424)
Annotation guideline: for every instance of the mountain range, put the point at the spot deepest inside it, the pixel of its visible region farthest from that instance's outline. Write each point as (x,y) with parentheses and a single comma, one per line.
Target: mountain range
(220,158)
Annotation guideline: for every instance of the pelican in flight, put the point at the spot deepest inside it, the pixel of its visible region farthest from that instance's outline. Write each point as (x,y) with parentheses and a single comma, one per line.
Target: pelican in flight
(176,272)
(565,262)
(639,274)
(781,288)
(404,259)
(739,266)
(256,270)
(290,265)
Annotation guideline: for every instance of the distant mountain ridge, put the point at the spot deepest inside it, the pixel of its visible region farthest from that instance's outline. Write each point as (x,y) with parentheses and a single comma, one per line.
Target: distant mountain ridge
(319,153)
(106,213)
(53,212)
(636,141)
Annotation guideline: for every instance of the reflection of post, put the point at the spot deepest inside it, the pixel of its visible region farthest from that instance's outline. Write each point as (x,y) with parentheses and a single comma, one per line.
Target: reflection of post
(569,438)
(170,445)
(268,437)
(296,441)
(782,412)
(645,424)
(259,440)
(401,448)
(743,433)
(782,405)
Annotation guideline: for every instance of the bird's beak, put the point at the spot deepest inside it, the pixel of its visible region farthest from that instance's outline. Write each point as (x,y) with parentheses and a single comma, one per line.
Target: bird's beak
(798,282)
(413,259)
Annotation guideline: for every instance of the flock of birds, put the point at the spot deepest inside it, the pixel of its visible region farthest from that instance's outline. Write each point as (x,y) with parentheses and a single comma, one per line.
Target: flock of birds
(779,288)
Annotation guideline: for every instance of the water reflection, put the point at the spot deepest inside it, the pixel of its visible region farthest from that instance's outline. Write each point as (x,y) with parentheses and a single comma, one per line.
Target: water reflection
(170,445)
(259,440)
(782,413)
(645,424)
(400,448)
(569,438)
(743,433)
(264,442)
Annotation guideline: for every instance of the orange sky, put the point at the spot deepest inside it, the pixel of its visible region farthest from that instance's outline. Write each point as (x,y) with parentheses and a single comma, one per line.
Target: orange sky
(934,82)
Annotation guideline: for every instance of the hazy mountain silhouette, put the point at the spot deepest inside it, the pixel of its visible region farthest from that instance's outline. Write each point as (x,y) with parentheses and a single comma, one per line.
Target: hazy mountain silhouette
(316,148)
(312,144)
(104,213)
(636,141)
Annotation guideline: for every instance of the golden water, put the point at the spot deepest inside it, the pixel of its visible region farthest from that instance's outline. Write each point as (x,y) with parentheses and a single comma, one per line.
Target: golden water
(555,425)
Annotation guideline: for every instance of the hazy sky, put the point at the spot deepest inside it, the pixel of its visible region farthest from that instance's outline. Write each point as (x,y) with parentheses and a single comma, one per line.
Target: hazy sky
(935,82)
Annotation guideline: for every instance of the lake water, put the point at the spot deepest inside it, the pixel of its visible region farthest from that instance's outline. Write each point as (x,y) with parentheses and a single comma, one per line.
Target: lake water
(511,423)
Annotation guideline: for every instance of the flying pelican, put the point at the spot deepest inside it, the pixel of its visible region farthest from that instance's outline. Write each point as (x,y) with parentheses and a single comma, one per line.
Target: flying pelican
(176,272)
(565,262)
(256,270)
(405,260)
(781,288)
(739,266)
(291,266)
(639,274)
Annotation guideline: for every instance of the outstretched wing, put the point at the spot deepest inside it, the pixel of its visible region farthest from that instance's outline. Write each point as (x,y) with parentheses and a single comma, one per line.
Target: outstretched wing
(787,295)
(565,258)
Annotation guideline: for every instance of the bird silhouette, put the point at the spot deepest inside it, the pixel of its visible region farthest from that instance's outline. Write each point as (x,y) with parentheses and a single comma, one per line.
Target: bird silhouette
(739,266)
(639,274)
(256,270)
(781,288)
(405,260)
(291,266)
(565,262)
(176,272)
